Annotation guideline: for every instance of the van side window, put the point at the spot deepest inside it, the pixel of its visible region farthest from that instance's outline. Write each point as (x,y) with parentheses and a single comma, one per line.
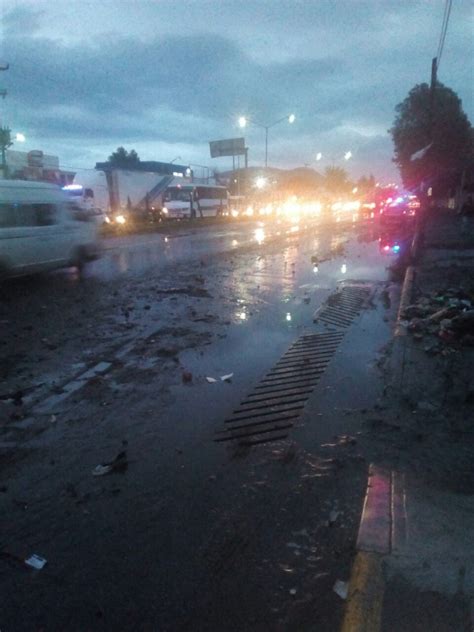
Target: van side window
(25,214)
(35,214)
(7,215)
(45,214)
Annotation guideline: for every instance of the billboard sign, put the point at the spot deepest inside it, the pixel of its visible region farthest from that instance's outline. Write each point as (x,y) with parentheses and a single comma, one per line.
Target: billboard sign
(229,147)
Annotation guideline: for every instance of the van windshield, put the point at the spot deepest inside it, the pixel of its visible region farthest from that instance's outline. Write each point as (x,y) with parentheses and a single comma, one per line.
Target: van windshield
(178,195)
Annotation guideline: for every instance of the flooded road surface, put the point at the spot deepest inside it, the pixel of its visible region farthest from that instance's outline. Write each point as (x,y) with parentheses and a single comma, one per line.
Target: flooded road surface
(191,534)
(135,253)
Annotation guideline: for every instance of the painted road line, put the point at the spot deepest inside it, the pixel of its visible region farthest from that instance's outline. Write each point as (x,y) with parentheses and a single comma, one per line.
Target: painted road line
(375,525)
(399,532)
(365,595)
(382,529)
(71,387)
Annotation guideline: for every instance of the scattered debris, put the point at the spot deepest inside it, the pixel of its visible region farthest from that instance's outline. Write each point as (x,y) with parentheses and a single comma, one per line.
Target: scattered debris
(36,561)
(119,464)
(448,315)
(341,588)
(427,407)
(211,380)
(227,378)
(333,516)
(187,377)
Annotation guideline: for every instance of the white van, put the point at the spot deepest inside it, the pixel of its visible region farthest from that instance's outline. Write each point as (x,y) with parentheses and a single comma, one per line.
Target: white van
(40,229)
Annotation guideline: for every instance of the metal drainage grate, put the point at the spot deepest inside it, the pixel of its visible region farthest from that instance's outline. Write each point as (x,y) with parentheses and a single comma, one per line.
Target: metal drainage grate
(341,308)
(272,408)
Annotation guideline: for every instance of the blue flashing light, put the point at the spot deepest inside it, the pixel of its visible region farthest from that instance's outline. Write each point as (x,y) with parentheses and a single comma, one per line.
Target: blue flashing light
(396,248)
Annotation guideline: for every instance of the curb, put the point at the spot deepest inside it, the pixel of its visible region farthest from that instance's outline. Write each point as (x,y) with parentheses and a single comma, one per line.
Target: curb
(405,298)
(382,530)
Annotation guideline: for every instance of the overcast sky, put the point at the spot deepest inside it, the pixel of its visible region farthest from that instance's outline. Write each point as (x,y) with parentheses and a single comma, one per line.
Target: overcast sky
(165,77)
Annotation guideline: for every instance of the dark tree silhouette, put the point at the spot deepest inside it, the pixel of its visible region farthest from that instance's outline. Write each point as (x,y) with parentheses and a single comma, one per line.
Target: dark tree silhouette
(124,159)
(436,123)
(336,180)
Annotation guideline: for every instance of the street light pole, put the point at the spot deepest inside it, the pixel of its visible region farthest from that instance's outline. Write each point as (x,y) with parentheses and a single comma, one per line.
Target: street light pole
(243,123)
(266,147)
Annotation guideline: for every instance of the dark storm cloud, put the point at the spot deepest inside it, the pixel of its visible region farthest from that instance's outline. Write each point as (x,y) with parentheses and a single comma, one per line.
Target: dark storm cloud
(168,77)
(119,85)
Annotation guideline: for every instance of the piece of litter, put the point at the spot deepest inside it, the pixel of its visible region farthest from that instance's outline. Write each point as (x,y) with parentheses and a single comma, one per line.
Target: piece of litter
(211,380)
(100,470)
(292,591)
(333,516)
(119,464)
(187,377)
(35,561)
(227,378)
(340,588)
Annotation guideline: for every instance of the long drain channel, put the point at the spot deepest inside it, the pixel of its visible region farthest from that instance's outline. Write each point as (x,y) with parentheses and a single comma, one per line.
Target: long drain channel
(341,308)
(273,407)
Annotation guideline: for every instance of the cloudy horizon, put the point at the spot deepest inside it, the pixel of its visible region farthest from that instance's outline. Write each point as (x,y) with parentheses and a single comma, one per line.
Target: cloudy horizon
(166,78)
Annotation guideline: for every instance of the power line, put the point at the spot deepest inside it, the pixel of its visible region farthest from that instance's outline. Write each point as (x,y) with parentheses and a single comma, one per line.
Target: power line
(444,28)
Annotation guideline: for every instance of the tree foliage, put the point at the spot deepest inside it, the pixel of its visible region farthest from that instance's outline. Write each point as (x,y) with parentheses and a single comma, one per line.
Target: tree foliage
(436,122)
(366,184)
(336,180)
(124,159)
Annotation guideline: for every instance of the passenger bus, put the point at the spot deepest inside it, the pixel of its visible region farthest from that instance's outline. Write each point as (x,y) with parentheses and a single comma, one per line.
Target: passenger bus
(195,200)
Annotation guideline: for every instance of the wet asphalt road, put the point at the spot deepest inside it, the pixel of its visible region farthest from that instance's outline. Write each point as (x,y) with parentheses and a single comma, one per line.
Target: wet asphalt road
(194,535)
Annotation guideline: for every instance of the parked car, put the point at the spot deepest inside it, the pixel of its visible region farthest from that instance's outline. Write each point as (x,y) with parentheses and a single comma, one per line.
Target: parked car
(41,229)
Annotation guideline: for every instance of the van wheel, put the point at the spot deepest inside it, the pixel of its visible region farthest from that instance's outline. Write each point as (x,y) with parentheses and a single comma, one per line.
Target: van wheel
(80,260)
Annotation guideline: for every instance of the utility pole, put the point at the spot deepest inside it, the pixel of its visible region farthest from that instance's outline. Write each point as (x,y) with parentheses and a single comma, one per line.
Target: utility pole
(434,72)
(5,133)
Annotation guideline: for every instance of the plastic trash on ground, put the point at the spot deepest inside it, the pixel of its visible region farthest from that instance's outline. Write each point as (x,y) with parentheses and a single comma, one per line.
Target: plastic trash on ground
(36,561)
(119,464)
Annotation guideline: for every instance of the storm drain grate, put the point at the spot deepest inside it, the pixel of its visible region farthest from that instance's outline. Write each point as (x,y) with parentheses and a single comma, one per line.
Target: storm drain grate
(341,308)
(272,408)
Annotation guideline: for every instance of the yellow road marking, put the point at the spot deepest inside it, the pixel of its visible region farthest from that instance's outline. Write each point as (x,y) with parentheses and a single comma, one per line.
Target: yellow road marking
(365,595)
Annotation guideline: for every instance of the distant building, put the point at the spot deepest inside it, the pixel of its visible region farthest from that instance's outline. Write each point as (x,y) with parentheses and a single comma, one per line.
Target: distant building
(36,165)
(143,185)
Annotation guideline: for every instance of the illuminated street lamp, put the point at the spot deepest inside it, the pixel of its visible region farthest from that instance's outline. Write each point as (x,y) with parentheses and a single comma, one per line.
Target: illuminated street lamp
(243,122)
(347,156)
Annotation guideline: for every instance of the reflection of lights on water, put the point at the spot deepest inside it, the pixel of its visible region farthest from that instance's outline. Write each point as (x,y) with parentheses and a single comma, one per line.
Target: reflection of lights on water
(315,269)
(288,316)
(259,235)
(235,242)
(344,268)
